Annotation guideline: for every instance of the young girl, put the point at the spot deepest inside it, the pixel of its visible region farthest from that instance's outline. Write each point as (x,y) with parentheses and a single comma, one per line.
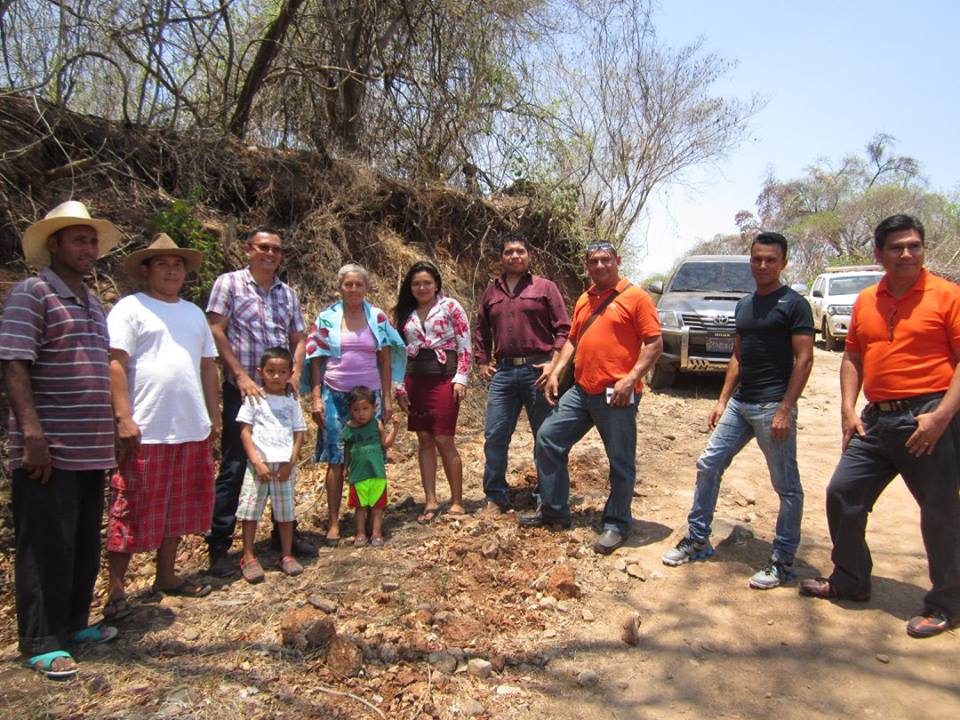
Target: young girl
(365,441)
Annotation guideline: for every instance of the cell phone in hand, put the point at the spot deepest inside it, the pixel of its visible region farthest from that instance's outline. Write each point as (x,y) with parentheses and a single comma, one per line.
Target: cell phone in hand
(633,396)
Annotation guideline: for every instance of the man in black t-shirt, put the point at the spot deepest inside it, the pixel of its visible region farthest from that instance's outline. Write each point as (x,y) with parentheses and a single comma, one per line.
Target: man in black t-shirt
(772,358)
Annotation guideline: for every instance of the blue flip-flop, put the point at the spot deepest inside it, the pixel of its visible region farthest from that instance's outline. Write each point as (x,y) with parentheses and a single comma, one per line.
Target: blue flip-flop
(94,635)
(43,664)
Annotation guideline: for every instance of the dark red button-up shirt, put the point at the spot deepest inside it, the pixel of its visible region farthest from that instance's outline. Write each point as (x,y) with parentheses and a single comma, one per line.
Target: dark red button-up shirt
(532,320)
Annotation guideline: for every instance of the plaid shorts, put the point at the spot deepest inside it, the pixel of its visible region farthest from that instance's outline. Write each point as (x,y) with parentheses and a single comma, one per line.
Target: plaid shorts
(253,496)
(165,491)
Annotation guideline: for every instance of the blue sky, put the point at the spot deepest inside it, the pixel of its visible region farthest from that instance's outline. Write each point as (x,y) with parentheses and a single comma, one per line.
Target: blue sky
(834,74)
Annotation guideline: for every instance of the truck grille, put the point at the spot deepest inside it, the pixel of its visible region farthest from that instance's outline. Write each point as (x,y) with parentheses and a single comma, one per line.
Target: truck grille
(722,323)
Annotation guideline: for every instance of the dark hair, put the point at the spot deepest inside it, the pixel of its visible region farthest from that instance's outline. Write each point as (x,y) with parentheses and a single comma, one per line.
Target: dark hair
(265,229)
(406,302)
(276,353)
(896,223)
(771,238)
(361,392)
(512,237)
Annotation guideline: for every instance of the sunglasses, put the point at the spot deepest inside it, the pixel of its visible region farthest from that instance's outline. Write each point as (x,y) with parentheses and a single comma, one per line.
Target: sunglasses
(594,247)
(268,249)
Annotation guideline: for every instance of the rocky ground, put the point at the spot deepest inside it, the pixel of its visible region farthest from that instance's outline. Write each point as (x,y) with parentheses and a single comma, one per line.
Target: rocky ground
(472,617)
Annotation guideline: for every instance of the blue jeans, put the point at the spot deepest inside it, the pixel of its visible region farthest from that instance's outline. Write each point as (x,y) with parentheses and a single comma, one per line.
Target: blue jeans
(740,422)
(576,413)
(510,389)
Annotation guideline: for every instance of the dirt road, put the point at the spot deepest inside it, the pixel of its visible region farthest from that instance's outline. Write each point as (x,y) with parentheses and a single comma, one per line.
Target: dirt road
(437,596)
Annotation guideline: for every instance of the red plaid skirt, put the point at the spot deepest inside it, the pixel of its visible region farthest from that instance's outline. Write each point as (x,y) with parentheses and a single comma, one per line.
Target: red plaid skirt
(165,491)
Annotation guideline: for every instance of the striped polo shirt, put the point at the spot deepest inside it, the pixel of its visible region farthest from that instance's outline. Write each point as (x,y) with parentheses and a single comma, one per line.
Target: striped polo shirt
(64,338)
(256,319)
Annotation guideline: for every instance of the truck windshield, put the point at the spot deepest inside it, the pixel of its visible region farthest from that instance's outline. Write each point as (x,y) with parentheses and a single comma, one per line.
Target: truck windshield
(852,285)
(732,277)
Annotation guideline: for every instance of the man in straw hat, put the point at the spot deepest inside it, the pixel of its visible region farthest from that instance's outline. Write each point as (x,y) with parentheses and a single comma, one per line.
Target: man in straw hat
(55,355)
(164,382)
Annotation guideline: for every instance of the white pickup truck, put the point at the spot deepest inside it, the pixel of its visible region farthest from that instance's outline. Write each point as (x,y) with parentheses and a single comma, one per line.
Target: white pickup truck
(832,297)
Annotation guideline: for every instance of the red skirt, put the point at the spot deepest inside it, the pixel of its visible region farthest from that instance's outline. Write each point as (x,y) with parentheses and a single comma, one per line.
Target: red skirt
(165,491)
(432,406)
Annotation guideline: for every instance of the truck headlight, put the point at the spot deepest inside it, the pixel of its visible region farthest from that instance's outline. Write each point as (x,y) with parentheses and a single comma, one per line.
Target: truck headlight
(670,318)
(839,309)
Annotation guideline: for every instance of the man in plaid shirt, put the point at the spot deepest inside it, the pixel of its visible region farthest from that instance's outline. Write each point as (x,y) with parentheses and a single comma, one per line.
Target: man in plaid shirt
(249,311)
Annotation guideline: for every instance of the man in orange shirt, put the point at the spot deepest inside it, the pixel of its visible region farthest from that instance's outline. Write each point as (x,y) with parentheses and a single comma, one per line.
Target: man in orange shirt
(903,349)
(615,337)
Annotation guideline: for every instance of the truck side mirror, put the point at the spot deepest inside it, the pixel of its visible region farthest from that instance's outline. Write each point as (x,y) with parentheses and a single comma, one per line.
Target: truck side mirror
(655,287)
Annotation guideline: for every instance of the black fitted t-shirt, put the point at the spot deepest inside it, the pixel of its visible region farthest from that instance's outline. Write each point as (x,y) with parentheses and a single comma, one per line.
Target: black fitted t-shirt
(766,325)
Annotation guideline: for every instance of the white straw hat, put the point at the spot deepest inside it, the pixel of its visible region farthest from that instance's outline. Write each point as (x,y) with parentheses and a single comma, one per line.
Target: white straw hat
(162,244)
(66,214)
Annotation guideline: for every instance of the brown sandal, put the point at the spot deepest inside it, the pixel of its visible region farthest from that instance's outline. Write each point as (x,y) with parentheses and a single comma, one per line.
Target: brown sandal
(251,571)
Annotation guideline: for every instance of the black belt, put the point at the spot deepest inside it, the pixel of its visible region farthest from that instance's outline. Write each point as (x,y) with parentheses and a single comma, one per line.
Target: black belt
(523,360)
(905,403)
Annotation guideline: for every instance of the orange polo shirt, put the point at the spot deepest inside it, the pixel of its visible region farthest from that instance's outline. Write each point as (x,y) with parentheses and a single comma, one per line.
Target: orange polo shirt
(610,348)
(908,344)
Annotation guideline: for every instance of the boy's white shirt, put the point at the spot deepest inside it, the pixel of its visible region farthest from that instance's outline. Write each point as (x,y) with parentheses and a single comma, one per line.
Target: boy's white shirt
(273,420)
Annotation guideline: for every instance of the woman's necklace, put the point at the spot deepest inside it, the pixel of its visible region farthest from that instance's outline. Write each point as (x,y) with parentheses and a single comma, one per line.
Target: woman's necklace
(424,311)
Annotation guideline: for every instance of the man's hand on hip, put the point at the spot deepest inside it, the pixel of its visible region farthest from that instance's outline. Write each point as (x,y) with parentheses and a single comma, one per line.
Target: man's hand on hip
(851,425)
(930,426)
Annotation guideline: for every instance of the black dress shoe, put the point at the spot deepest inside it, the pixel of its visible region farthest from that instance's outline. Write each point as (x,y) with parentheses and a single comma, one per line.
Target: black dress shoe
(609,541)
(537,519)
(220,564)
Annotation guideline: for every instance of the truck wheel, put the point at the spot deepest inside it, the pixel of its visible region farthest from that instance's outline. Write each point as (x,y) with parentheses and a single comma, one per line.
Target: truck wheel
(662,376)
(829,341)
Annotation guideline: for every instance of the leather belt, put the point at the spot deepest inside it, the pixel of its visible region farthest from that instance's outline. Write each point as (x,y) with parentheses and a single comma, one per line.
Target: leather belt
(522,360)
(905,403)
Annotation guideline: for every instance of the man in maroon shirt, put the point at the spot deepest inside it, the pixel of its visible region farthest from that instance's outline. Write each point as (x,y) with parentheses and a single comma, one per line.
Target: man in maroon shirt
(521,325)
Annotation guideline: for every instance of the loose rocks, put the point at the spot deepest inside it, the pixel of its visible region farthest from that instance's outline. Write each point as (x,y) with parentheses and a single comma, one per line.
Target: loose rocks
(478,667)
(588,678)
(323,604)
(562,583)
(305,628)
(630,629)
(344,657)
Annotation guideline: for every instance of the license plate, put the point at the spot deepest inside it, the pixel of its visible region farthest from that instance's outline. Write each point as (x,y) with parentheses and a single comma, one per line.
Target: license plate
(720,343)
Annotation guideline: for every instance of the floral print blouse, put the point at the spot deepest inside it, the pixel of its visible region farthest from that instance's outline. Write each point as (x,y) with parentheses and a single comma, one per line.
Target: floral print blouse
(446,328)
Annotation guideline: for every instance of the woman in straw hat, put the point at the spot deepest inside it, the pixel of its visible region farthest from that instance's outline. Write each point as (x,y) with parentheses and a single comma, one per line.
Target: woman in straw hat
(55,354)
(164,384)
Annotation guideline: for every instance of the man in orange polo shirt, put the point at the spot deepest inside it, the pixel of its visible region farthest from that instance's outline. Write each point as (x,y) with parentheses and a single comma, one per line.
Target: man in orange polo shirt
(903,349)
(615,336)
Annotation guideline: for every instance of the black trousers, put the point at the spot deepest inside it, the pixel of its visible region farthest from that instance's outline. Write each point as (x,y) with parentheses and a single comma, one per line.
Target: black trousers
(57,528)
(865,470)
(233,463)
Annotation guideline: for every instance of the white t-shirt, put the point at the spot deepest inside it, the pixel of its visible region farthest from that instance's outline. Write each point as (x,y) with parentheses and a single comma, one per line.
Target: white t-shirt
(165,342)
(274,420)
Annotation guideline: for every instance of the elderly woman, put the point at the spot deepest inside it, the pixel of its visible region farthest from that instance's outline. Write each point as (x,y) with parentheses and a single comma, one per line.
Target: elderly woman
(351,343)
(438,345)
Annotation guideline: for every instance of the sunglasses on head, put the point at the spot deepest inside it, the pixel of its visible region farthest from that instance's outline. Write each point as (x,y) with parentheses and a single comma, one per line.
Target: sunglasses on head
(594,247)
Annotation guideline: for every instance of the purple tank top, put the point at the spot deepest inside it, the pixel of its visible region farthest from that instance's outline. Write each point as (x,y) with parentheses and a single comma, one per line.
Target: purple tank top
(357,364)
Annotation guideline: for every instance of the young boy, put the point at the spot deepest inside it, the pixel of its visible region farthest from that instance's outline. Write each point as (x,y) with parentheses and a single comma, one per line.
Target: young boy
(272,433)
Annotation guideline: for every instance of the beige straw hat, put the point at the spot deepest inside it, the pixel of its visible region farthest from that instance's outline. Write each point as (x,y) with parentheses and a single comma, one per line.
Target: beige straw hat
(66,214)
(162,244)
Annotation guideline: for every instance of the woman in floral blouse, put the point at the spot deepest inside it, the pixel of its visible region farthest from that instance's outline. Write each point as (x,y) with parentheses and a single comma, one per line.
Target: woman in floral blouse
(437,334)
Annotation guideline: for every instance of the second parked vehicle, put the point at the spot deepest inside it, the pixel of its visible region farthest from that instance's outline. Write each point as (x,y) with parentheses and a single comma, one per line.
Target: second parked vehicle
(832,298)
